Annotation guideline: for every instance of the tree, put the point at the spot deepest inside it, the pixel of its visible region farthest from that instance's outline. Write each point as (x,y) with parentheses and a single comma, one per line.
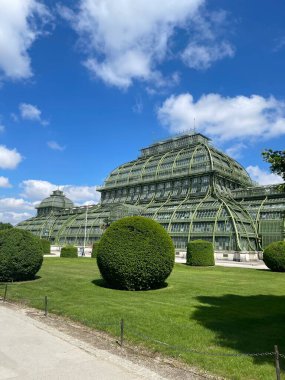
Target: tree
(5,226)
(276,159)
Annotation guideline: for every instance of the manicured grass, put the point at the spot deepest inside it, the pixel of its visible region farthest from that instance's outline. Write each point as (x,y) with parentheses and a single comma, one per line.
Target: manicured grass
(225,310)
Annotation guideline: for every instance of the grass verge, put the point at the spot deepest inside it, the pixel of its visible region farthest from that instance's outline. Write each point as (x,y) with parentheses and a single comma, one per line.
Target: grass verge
(211,310)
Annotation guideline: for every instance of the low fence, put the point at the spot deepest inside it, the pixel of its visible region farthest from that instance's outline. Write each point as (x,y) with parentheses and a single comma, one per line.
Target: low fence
(123,328)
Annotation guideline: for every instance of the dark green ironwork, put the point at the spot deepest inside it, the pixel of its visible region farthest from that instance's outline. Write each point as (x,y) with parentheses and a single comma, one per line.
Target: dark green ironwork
(192,189)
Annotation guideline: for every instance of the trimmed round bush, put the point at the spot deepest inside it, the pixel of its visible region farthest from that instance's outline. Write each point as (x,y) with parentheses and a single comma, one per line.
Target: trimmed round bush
(274,256)
(21,255)
(69,251)
(94,249)
(45,244)
(200,253)
(135,253)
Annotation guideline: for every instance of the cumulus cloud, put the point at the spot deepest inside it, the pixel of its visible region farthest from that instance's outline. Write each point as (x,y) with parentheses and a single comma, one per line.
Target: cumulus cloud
(31,112)
(262,176)
(207,44)
(202,56)
(235,151)
(55,146)
(9,158)
(14,210)
(12,204)
(21,24)
(127,40)
(225,118)
(14,217)
(37,190)
(4,182)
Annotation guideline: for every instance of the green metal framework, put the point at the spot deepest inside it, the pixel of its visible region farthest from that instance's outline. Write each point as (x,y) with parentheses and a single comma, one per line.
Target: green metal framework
(192,189)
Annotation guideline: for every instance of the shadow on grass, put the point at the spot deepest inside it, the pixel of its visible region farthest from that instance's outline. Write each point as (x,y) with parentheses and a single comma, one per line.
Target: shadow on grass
(248,324)
(11,282)
(103,284)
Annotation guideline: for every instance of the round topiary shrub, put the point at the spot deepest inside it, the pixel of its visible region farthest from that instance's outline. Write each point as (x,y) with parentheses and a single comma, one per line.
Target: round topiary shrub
(200,253)
(68,251)
(45,244)
(274,256)
(94,249)
(21,255)
(135,253)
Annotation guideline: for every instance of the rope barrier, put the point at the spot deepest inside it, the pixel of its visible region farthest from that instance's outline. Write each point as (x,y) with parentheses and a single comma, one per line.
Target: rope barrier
(194,351)
(167,345)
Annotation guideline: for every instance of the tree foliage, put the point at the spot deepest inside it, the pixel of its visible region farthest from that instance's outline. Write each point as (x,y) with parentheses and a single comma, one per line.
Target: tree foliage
(276,159)
(5,226)
(135,253)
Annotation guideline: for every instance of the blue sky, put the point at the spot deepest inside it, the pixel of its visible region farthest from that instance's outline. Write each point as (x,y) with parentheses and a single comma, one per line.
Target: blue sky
(85,84)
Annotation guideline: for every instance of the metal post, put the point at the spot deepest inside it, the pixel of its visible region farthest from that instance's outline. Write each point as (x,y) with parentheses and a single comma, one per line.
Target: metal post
(46,306)
(85,231)
(122,332)
(277,365)
(5,293)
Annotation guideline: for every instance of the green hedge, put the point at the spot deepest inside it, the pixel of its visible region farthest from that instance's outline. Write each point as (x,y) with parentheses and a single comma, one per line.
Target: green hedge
(68,251)
(200,253)
(21,255)
(45,244)
(274,256)
(5,226)
(94,249)
(135,253)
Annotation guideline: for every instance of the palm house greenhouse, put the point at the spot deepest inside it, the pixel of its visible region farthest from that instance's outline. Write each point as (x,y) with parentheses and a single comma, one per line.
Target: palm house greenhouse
(191,188)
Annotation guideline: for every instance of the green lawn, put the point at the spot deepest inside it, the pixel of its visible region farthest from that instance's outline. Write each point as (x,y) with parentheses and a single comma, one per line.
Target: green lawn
(215,310)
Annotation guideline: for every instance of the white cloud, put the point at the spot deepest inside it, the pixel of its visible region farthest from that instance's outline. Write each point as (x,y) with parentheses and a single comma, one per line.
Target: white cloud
(225,118)
(202,56)
(126,40)
(2,128)
(138,106)
(37,190)
(55,146)
(31,112)
(14,217)
(263,177)
(4,182)
(14,210)
(81,193)
(12,204)
(235,151)
(9,158)
(20,25)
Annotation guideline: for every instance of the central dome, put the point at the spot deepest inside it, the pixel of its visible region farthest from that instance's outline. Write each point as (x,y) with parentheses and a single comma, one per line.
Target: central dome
(187,155)
(55,202)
